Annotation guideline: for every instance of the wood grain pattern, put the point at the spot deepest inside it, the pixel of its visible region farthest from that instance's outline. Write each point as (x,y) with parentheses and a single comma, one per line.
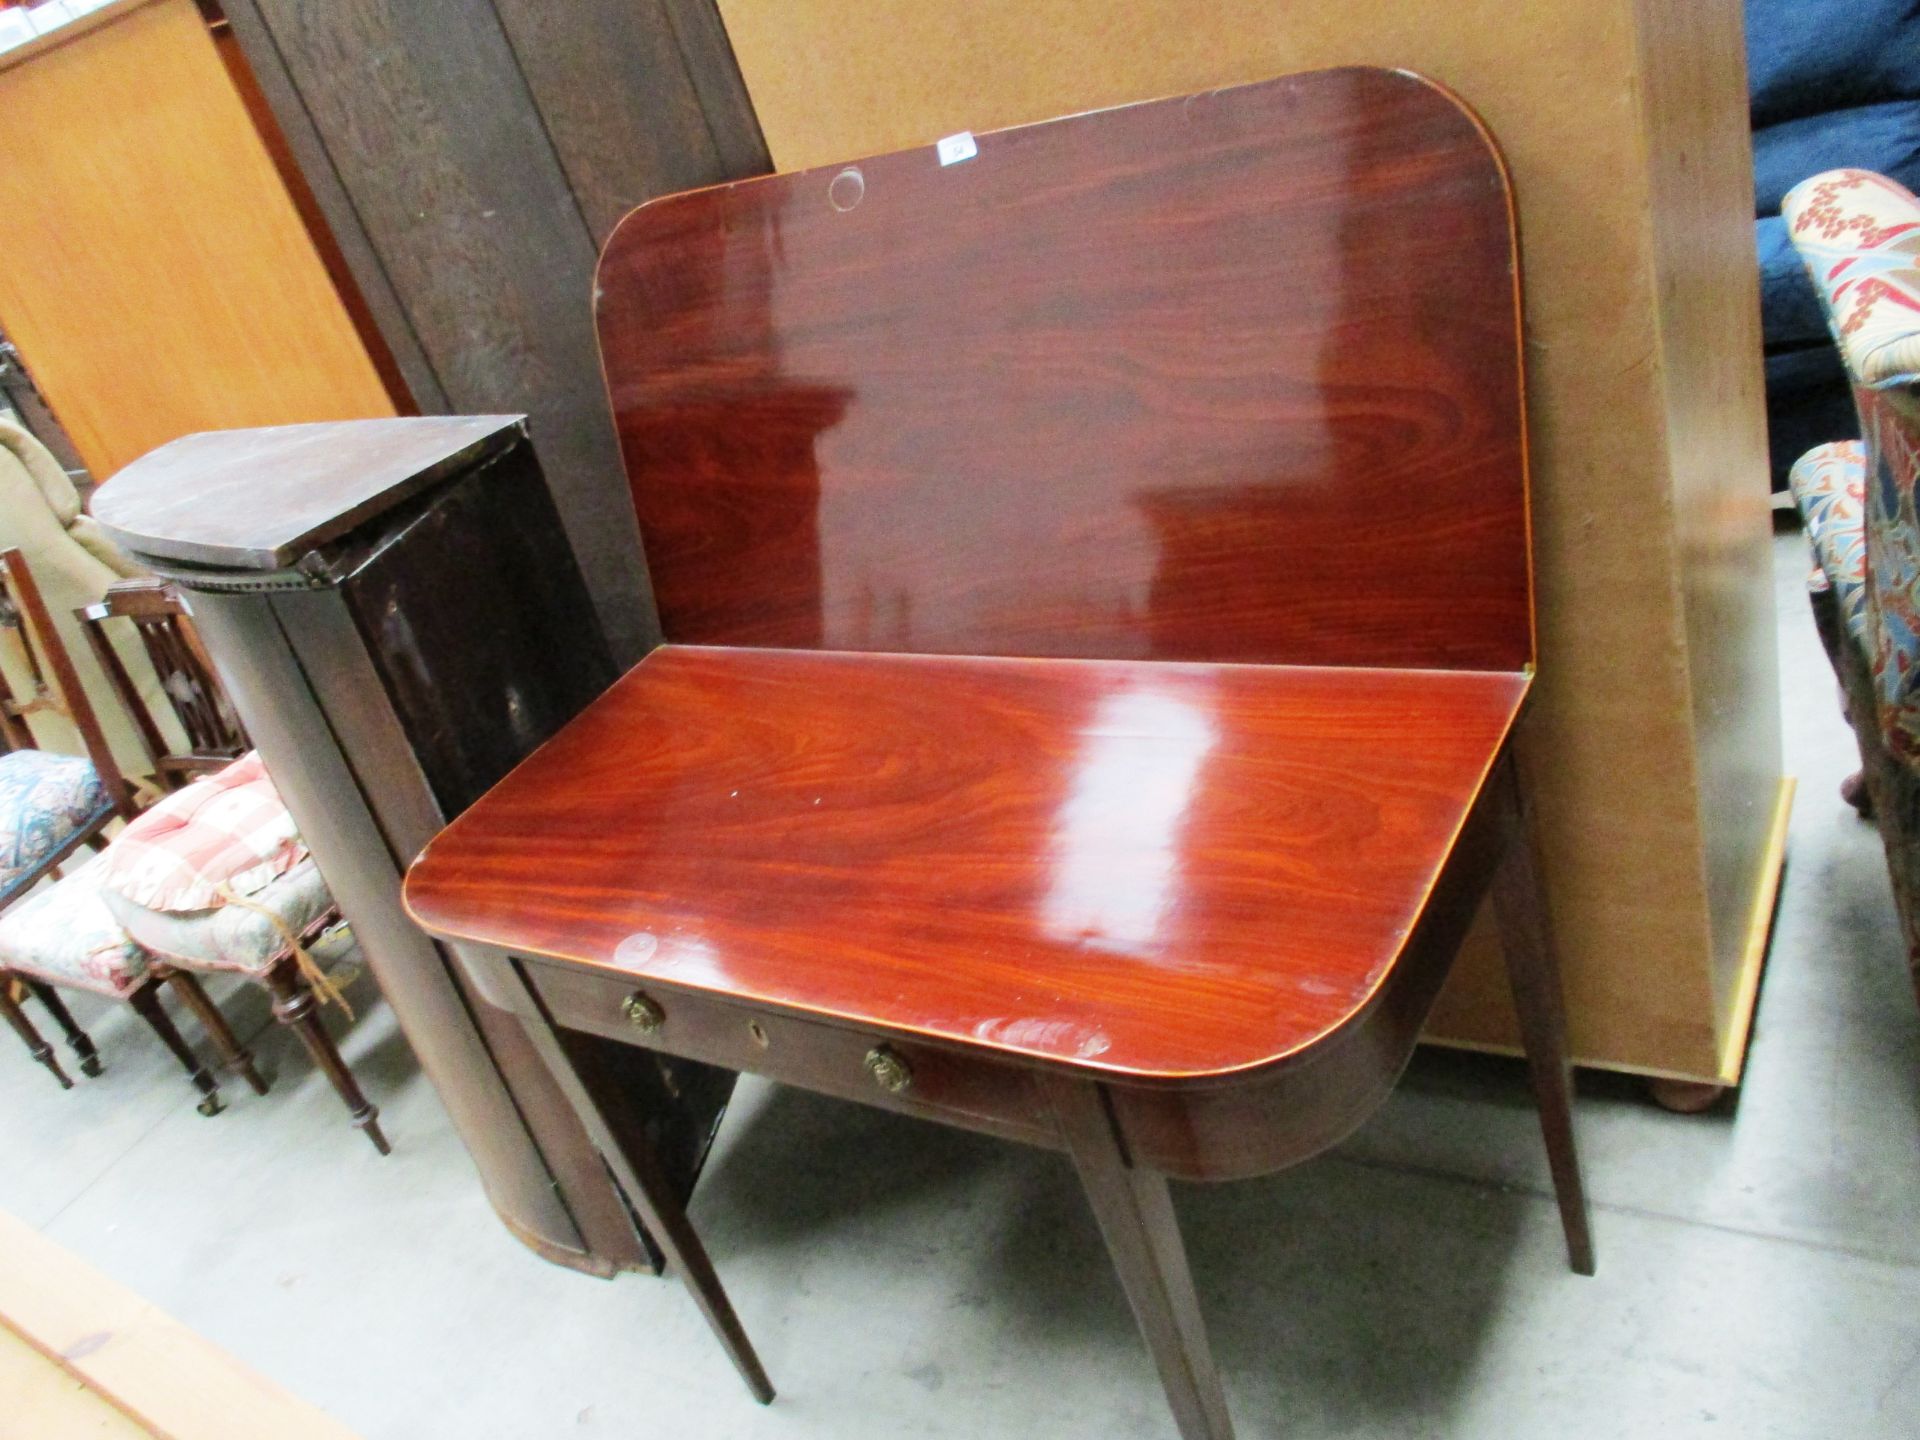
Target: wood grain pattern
(1695,78)
(451,171)
(1193,380)
(159,278)
(1139,869)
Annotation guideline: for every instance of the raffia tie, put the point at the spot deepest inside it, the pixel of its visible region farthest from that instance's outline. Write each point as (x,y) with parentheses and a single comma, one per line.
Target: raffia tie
(317,979)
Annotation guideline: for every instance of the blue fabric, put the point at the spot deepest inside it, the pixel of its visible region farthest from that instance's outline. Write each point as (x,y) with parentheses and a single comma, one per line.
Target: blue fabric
(1808,403)
(1790,313)
(1807,57)
(45,800)
(1883,138)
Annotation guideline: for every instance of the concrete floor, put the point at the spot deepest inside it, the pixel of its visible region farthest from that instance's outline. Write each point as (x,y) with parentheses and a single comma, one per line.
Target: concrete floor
(1759,1268)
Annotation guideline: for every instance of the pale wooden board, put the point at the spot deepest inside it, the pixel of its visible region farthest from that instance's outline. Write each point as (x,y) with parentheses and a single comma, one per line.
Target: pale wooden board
(41,1401)
(158,279)
(130,1353)
(1758,938)
(1654,742)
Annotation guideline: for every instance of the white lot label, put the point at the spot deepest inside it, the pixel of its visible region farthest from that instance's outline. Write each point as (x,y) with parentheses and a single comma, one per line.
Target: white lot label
(956,148)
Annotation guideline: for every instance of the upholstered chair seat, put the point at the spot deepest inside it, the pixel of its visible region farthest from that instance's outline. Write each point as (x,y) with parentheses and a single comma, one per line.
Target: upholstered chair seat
(65,934)
(249,936)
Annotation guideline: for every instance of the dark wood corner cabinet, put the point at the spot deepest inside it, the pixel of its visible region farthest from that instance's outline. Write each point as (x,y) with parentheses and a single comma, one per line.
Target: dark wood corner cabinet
(399,619)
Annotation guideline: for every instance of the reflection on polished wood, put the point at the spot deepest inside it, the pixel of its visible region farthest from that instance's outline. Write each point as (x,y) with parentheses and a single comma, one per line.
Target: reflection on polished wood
(1183,381)
(1180,871)
(1098,598)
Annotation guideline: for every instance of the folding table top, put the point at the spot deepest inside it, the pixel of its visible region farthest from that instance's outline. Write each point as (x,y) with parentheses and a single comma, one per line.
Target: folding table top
(1157,869)
(1096,576)
(1234,376)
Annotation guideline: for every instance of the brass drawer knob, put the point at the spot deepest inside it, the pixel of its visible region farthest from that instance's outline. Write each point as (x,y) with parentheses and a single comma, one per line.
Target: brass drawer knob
(643,1012)
(888,1070)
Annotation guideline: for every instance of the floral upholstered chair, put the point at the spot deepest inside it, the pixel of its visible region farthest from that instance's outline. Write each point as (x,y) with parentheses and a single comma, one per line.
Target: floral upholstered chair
(1859,234)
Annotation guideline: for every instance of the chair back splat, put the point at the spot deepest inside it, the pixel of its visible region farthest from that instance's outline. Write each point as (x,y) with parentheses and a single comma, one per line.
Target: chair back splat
(158,616)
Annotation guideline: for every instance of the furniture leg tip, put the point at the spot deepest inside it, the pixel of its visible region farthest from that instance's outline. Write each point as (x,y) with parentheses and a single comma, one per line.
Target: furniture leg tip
(210,1105)
(91,1067)
(257,1081)
(378,1137)
(1854,791)
(1685,1097)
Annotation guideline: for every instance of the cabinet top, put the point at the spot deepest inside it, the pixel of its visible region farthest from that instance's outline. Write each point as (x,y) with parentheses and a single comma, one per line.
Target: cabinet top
(259,499)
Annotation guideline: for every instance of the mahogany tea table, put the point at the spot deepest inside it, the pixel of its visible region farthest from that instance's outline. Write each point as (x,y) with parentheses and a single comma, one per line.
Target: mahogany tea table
(1096,585)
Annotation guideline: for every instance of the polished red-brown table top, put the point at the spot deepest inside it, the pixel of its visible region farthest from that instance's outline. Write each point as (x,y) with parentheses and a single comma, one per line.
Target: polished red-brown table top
(1148,869)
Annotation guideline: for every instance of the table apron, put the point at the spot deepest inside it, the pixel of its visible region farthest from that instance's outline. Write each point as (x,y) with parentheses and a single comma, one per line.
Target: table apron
(973,1092)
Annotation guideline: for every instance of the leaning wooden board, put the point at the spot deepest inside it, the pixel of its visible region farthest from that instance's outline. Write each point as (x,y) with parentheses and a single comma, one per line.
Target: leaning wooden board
(1654,745)
(81,1356)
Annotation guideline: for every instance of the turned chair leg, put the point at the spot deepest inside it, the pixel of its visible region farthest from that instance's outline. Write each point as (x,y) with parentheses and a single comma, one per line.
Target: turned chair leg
(235,1056)
(23,1027)
(145,1001)
(1136,1216)
(295,1007)
(77,1039)
(1534,973)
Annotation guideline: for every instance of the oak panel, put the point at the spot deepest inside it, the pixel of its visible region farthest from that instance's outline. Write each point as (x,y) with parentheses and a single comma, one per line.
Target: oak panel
(1153,869)
(634,106)
(452,174)
(1233,377)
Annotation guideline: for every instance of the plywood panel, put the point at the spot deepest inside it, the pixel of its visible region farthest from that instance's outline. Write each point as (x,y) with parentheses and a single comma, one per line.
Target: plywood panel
(1654,622)
(153,270)
(1694,64)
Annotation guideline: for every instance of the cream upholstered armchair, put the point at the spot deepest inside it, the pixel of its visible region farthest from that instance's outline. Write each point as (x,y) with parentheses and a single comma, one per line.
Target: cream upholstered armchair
(73,564)
(1859,234)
